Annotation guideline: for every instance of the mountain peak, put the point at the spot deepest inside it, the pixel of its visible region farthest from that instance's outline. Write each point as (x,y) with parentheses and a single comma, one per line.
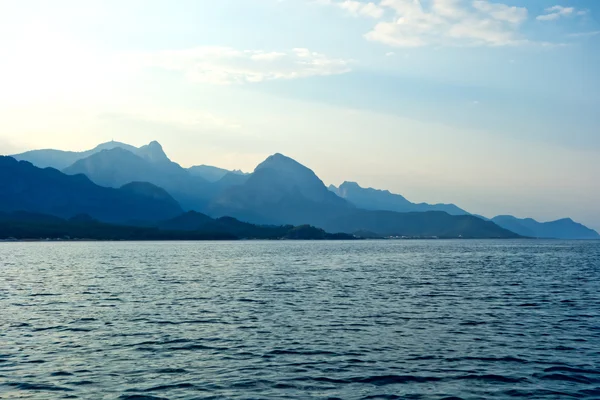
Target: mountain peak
(377,199)
(111,145)
(278,160)
(564,228)
(348,184)
(280,156)
(289,172)
(281,190)
(566,220)
(25,187)
(283,164)
(153,152)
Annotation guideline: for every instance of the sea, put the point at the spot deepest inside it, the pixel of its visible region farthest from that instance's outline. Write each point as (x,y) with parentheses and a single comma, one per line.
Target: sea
(398,319)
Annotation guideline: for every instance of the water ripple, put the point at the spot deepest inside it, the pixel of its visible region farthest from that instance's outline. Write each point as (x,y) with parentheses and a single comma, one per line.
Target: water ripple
(434,320)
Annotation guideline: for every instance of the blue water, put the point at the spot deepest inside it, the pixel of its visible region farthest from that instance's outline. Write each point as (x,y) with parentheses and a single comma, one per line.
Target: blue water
(300,320)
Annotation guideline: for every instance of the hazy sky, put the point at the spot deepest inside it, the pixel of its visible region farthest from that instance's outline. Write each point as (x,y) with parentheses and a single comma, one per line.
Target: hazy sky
(492,106)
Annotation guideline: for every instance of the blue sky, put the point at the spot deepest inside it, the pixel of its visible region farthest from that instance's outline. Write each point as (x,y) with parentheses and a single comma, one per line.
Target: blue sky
(490,105)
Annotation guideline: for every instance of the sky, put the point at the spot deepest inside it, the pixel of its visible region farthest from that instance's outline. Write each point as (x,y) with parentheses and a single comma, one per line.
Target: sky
(493,106)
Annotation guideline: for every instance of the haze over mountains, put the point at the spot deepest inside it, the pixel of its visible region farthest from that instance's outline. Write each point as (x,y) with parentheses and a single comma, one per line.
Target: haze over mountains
(373,199)
(114,164)
(212,174)
(25,187)
(280,191)
(60,159)
(115,167)
(562,228)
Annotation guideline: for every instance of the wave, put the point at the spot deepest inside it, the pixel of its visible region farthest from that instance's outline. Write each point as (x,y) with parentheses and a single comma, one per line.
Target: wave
(38,387)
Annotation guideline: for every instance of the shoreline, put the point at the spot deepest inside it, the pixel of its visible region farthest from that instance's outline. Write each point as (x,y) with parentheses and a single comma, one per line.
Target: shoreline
(282,240)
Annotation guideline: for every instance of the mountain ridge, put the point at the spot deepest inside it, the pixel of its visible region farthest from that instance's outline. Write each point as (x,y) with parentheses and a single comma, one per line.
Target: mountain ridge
(437,224)
(59,159)
(378,199)
(213,174)
(25,187)
(564,228)
(116,167)
(280,190)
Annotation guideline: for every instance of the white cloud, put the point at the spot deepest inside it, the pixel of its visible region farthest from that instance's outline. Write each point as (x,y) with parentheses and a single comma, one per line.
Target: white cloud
(556,12)
(502,12)
(356,8)
(260,56)
(179,118)
(448,8)
(450,22)
(225,65)
(584,34)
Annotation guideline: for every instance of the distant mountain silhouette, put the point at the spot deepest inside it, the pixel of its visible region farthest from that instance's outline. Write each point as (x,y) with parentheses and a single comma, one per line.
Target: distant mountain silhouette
(151,191)
(230,179)
(416,224)
(113,168)
(60,160)
(212,174)
(280,191)
(24,187)
(283,191)
(154,153)
(373,199)
(564,228)
(116,167)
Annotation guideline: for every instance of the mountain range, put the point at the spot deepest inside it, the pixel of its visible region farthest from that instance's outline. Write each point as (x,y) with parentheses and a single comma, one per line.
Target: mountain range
(373,199)
(279,192)
(59,159)
(25,187)
(213,174)
(116,167)
(114,164)
(562,228)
